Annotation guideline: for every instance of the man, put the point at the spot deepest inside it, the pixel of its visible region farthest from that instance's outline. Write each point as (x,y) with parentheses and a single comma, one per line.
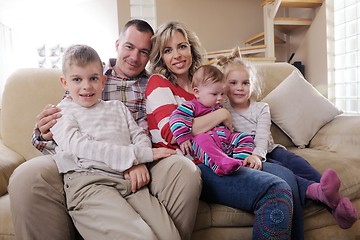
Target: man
(36,188)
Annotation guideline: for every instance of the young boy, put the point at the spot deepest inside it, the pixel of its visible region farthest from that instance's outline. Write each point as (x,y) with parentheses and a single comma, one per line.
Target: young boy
(219,148)
(96,142)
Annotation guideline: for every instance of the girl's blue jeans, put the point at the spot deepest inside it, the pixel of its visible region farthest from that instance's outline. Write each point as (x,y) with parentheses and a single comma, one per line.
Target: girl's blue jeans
(305,173)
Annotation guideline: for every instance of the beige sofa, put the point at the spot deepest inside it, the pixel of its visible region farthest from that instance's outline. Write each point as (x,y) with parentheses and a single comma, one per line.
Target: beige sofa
(335,145)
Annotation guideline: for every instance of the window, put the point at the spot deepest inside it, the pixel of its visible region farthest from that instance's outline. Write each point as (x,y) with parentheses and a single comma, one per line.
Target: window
(144,9)
(38,38)
(5,56)
(345,88)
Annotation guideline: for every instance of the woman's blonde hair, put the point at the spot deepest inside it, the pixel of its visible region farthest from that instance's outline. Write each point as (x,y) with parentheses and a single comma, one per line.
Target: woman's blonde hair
(234,62)
(161,37)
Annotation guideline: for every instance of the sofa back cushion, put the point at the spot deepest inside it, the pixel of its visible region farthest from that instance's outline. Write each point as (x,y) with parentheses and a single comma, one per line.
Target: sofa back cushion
(26,93)
(272,74)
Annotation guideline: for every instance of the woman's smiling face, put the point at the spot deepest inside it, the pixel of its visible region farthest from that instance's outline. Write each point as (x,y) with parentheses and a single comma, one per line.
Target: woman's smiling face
(177,54)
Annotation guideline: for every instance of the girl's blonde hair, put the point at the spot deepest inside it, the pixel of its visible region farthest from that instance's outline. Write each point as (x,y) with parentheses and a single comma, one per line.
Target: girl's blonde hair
(234,62)
(161,37)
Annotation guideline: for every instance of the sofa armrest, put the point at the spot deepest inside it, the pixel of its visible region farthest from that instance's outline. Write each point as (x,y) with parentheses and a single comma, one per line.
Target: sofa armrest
(340,135)
(9,160)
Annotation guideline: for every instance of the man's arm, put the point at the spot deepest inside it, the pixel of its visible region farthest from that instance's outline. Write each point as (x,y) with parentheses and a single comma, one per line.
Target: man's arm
(42,137)
(44,146)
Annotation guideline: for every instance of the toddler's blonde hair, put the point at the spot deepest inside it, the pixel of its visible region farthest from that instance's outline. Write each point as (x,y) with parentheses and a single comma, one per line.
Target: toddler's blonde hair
(207,74)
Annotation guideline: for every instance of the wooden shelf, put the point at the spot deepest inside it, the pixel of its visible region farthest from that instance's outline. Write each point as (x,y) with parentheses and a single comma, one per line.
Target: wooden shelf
(274,23)
(301,4)
(258,39)
(249,50)
(250,59)
(260,59)
(286,25)
(296,4)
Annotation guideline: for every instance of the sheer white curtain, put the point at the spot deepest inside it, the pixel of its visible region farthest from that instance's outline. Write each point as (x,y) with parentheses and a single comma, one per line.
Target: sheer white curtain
(6,53)
(345,84)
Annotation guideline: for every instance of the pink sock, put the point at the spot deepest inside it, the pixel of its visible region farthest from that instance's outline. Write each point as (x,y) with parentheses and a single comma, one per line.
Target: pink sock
(345,213)
(327,191)
(228,166)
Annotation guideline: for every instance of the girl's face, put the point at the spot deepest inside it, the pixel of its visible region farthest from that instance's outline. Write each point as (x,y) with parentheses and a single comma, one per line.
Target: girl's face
(177,55)
(238,88)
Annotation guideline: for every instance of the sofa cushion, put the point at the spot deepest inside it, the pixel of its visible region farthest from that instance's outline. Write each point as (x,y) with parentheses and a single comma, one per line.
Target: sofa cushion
(216,215)
(6,226)
(346,165)
(32,89)
(9,160)
(298,116)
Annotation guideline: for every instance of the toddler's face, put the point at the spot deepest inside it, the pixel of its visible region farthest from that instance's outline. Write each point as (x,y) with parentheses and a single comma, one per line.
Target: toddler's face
(238,87)
(85,83)
(211,94)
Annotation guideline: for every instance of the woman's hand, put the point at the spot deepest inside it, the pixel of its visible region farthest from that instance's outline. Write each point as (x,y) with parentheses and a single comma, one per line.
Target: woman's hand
(228,120)
(209,121)
(161,152)
(186,147)
(46,119)
(253,161)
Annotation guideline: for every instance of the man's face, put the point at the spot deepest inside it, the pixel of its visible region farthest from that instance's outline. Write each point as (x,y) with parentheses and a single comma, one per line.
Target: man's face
(133,50)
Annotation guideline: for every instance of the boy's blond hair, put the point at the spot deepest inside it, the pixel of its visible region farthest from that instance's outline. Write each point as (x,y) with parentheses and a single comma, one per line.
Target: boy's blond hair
(79,55)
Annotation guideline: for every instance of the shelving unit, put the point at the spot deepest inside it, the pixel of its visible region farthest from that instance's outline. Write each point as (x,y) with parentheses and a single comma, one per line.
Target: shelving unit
(277,29)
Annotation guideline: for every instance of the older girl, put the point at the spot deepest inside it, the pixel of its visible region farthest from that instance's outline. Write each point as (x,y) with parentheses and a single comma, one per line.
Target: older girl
(254,117)
(174,58)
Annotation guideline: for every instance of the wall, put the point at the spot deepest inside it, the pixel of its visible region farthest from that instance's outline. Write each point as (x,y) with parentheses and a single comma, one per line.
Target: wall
(123,12)
(219,24)
(312,51)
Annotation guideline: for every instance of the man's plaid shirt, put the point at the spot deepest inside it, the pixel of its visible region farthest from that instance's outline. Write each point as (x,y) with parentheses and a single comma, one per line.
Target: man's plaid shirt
(128,90)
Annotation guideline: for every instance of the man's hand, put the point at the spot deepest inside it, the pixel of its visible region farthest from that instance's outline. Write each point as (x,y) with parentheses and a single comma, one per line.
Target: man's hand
(138,175)
(253,161)
(46,119)
(159,153)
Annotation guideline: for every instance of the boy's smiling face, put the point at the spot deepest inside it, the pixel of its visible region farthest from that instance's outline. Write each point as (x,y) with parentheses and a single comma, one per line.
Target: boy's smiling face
(84,83)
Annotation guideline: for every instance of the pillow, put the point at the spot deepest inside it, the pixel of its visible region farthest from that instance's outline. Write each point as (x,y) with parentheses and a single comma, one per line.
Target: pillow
(298,109)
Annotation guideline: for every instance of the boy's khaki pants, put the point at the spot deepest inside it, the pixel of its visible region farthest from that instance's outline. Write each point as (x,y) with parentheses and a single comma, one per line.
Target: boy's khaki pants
(39,209)
(98,203)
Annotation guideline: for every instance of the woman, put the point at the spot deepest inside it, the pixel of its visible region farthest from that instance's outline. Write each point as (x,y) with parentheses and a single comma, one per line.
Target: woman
(174,58)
